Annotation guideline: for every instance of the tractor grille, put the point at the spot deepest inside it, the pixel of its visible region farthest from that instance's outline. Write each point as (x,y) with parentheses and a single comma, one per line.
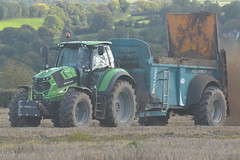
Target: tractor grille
(40,86)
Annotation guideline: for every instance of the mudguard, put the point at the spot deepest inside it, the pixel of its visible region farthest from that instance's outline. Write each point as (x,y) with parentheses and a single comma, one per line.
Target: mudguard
(85,90)
(197,86)
(111,77)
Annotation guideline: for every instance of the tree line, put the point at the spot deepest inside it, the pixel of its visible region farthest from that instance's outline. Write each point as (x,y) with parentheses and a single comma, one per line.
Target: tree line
(95,21)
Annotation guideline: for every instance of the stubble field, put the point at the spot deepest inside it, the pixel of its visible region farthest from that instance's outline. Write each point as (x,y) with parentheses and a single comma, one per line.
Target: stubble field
(180,139)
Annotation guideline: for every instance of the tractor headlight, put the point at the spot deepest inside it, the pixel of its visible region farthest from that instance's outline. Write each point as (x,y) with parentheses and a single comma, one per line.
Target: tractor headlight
(41,79)
(46,78)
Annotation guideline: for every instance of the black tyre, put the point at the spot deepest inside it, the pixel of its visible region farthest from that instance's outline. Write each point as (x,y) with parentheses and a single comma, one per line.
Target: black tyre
(21,121)
(211,109)
(56,122)
(75,110)
(121,106)
(55,114)
(55,119)
(154,121)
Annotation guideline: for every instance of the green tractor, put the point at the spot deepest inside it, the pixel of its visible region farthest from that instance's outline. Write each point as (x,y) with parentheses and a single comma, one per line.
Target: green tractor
(85,84)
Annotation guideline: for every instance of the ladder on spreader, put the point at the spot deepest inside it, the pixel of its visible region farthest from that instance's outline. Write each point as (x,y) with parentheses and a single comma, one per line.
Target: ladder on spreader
(165,89)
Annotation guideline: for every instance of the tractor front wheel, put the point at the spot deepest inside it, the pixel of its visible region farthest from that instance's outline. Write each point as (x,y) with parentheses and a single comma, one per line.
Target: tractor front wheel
(21,121)
(75,110)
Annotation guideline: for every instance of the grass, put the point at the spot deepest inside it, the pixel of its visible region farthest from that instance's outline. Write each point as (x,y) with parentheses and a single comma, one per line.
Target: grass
(132,1)
(175,141)
(224,3)
(221,2)
(17,23)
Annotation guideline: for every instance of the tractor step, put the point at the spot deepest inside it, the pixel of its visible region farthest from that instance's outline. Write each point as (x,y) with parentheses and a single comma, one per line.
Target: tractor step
(99,112)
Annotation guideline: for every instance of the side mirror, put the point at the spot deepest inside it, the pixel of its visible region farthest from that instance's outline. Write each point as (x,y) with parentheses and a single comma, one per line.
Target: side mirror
(44,53)
(101,50)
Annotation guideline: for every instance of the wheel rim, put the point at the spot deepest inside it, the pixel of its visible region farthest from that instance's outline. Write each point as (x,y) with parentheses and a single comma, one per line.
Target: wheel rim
(217,111)
(81,113)
(123,106)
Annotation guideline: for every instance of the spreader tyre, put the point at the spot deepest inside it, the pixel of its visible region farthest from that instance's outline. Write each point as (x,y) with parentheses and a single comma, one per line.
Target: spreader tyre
(211,109)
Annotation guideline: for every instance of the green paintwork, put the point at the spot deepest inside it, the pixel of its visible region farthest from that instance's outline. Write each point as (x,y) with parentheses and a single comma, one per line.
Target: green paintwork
(30,93)
(68,72)
(49,72)
(107,78)
(54,93)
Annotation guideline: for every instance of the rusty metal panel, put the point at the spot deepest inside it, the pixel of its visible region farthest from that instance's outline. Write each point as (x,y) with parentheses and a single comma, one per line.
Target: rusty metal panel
(193,35)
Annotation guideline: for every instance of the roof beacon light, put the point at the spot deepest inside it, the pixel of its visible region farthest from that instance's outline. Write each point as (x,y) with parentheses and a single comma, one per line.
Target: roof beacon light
(68,35)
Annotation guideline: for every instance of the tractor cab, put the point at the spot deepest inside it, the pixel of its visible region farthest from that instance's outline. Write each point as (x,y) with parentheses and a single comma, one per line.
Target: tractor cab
(85,55)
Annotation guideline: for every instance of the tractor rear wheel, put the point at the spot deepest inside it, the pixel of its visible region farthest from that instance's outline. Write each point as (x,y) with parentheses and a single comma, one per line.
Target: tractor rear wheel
(75,110)
(211,109)
(21,121)
(154,121)
(121,105)
(56,122)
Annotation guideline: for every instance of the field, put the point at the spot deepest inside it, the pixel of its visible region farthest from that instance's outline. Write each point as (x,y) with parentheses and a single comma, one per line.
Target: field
(17,23)
(179,140)
(132,1)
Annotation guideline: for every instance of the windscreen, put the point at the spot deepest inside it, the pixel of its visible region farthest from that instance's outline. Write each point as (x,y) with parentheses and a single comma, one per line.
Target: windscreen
(75,57)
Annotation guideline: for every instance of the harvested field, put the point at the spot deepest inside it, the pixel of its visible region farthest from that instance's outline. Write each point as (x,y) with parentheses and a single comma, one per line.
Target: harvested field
(179,140)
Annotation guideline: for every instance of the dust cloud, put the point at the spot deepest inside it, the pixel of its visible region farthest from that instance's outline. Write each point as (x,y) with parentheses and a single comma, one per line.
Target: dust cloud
(232,48)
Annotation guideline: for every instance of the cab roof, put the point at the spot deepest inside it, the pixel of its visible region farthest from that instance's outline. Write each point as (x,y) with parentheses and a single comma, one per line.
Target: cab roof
(87,43)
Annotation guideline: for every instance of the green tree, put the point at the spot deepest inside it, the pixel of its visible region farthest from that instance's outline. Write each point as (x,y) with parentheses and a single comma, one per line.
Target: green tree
(114,5)
(14,74)
(8,51)
(21,47)
(46,35)
(34,11)
(158,51)
(26,35)
(75,19)
(101,20)
(124,5)
(170,9)
(14,9)
(232,10)
(3,12)
(194,6)
(42,9)
(150,6)
(57,11)
(181,2)
(212,7)
(8,35)
(25,10)
(54,24)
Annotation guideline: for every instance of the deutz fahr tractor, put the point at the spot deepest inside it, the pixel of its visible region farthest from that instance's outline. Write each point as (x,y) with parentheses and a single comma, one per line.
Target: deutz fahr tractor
(87,82)
(84,84)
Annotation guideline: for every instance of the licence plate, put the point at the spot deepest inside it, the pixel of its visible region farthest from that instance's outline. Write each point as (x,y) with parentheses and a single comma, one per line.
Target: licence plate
(28,108)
